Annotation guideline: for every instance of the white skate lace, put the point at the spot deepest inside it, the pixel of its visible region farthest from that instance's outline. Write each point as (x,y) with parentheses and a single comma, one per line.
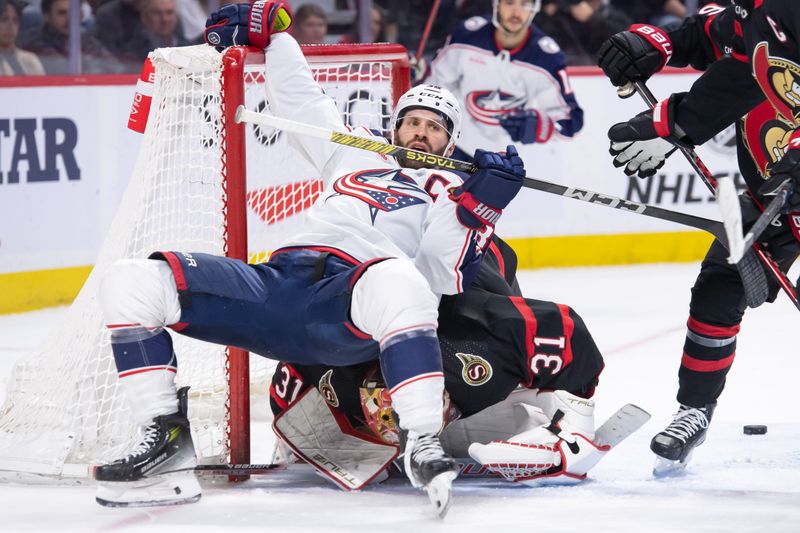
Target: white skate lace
(427,448)
(149,439)
(686,423)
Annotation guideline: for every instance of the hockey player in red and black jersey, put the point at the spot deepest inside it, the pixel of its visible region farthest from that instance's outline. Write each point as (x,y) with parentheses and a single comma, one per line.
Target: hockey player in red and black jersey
(749,52)
(493,341)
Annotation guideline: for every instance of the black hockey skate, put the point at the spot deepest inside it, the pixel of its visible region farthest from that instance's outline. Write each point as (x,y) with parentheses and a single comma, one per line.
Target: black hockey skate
(428,467)
(159,471)
(674,445)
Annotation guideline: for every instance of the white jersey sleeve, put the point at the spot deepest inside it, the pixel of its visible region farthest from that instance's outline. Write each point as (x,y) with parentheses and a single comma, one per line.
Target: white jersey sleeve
(293,94)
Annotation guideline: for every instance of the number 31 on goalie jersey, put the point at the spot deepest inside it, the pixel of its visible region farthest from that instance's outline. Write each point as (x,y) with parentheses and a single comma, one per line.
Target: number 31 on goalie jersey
(548,361)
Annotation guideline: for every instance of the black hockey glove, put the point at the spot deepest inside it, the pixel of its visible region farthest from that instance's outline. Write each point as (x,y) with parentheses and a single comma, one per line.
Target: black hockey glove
(634,55)
(643,144)
(482,198)
(788,168)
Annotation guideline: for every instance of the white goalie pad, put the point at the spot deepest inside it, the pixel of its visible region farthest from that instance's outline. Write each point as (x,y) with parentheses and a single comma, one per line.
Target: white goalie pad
(326,440)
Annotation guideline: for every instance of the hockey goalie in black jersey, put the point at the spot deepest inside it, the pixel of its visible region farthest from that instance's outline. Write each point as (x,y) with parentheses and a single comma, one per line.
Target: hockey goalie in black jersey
(749,52)
(493,341)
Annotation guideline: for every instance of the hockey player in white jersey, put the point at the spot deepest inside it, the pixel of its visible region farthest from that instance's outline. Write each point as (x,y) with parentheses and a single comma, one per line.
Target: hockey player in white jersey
(361,282)
(510,78)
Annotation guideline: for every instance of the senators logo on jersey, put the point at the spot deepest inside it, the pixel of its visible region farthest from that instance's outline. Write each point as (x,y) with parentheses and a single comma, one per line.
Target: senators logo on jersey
(779,79)
(326,389)
(476,371)
(766,134)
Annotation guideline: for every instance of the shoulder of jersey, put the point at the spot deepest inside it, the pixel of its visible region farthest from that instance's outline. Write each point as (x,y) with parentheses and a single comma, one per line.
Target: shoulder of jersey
(472,29)
(541,41)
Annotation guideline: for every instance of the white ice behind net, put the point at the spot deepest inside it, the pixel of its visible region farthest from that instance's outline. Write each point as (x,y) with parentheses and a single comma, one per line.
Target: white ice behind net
(63,411)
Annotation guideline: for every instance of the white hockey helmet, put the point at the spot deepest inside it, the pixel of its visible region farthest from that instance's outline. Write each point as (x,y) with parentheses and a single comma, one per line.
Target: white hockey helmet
(433,98)
(537,5)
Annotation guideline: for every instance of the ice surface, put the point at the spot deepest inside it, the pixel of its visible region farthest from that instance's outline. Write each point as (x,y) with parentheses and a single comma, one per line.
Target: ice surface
(736,483)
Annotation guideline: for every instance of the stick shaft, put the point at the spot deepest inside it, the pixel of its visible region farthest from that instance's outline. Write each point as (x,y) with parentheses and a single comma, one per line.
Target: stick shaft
(372,145)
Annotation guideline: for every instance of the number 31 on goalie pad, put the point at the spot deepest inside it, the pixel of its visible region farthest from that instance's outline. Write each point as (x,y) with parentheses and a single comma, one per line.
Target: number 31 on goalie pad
(326,440)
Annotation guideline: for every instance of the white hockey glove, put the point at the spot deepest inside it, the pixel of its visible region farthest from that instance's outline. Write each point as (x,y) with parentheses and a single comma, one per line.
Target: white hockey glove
(641,158)
(558,450)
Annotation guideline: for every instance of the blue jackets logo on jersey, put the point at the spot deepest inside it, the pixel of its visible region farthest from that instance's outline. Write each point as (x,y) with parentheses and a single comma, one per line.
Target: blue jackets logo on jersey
(488,106)
(379,198)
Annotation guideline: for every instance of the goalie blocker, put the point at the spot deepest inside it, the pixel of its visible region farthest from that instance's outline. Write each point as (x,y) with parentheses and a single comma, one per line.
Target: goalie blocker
(492,340)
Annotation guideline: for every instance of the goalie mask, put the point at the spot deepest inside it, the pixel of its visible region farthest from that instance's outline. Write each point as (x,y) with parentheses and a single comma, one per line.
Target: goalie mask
(432,98)
(536,6)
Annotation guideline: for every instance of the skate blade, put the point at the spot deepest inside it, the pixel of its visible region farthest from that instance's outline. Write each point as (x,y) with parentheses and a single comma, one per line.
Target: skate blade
(665,468)
(440,492)
(175,489)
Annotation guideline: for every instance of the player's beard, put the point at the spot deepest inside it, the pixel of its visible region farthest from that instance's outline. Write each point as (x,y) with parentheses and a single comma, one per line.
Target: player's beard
(405,163)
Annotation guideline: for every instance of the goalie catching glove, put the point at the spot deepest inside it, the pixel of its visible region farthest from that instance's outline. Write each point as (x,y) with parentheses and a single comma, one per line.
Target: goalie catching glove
(245,24)
(484,195)
(787,168)
(554,447)
(643,144)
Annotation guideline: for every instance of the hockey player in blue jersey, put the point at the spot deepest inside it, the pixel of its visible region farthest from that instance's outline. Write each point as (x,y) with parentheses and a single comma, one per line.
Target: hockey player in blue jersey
(361,282)
(510,78)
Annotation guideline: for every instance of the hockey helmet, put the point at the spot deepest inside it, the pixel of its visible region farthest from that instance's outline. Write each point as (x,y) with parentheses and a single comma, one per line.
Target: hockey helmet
(432,98)
(537,5)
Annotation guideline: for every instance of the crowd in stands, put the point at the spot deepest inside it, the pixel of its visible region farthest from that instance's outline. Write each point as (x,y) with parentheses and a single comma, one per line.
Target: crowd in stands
(116,35)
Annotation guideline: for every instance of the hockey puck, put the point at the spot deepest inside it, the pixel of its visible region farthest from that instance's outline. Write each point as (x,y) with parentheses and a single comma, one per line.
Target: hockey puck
(755,430)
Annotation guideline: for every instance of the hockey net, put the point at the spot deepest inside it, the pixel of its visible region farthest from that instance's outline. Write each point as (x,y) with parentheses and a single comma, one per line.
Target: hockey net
(63,411)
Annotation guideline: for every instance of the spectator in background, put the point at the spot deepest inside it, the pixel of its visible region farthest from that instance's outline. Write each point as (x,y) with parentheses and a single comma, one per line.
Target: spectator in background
(377,22)
(14,61)
(51,43)
(511,80)
(158,29)
(116,22)
(581,26)
(310,24)
(656,12)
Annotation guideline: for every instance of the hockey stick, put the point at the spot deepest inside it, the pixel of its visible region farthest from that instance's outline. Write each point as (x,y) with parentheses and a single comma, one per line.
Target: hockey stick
(428,25)
(348,139)
(754,280)
(772,210)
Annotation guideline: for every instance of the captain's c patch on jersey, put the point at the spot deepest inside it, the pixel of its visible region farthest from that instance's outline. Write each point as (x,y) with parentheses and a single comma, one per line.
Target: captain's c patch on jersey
(476,371)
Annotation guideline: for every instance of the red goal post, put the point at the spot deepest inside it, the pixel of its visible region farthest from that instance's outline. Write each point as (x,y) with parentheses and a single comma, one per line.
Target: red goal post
(201,183)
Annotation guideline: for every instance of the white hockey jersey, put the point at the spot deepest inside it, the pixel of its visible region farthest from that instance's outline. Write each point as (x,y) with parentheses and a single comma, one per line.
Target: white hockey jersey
(490,82)
(371,207)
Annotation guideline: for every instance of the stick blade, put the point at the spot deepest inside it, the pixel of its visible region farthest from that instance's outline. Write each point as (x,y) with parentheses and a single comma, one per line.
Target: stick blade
(621,425)
(728,201)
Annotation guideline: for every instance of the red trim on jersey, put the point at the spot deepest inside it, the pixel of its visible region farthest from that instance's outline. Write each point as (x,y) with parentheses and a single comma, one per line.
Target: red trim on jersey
(363,267)
(420,377)
(148,369)
(357,332)
(179,326)
(325,249)
(512,51)
(115,326)
(177,269)
(707,31)
(569,327)
(712,331)
(661,118)
(699,365)
(530,329)
(501,263)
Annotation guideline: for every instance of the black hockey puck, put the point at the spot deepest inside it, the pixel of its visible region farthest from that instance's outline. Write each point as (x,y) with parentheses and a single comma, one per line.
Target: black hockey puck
(755,430)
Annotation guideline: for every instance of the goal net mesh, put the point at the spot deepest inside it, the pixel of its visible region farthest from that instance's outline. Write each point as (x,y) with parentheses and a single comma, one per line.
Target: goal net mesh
(63,411)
